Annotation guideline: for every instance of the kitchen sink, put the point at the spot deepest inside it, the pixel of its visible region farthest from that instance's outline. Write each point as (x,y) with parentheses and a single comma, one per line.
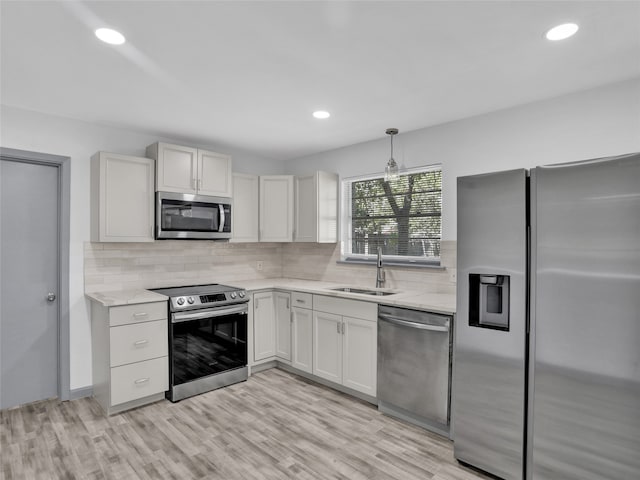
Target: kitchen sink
(362,291)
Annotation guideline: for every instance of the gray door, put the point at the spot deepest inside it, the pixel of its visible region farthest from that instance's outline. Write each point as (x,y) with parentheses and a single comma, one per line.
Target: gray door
(29,258)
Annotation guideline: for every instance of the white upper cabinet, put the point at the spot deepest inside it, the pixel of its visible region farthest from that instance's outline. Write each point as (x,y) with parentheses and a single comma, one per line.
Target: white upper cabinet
(276,208)
(245,208)
(122,198)
(316,213)
(176,167)
(183,169)
(214,174)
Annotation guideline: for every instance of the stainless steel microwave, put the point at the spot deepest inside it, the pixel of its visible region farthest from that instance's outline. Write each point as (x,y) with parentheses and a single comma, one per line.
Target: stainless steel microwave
(187,216)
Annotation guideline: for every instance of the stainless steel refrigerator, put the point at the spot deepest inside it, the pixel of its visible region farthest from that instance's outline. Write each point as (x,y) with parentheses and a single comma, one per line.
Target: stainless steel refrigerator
(546,381)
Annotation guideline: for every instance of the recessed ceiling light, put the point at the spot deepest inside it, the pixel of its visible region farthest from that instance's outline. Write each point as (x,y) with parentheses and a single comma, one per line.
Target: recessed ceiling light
(561,32)
(321,114)
(110,36)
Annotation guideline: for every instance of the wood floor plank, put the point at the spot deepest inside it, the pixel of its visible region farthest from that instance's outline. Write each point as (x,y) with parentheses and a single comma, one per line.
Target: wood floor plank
(274,426)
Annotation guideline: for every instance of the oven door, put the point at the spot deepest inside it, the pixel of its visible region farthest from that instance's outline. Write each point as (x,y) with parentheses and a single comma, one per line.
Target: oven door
(181,215)
(207,342)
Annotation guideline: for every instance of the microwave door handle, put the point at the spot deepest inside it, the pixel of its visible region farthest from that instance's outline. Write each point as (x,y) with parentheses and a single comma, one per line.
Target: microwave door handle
(222,217)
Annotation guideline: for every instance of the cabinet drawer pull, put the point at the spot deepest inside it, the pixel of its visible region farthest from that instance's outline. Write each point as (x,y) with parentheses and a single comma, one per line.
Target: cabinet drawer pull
(139,343)
(140,314)
(300,300)
(140,381)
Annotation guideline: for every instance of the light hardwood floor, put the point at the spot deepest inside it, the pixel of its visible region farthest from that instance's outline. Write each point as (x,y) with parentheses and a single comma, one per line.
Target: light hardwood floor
(274,426)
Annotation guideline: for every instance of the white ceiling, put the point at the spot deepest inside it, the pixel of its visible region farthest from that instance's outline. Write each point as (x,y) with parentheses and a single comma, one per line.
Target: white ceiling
(248,74)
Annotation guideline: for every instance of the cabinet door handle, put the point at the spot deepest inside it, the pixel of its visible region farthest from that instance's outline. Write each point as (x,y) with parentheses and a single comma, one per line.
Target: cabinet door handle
(288,304)
(140,381)
(338,327)
(139,343)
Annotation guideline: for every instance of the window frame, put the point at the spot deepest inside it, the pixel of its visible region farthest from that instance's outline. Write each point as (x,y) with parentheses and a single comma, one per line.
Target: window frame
(346,225)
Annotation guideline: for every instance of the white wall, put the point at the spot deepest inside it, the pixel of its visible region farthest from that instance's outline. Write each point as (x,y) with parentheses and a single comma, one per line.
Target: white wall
(591,124)
(37,132)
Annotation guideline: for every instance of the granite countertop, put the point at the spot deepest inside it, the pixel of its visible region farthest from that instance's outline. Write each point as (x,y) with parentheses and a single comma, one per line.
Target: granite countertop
(422,300)
(125,297)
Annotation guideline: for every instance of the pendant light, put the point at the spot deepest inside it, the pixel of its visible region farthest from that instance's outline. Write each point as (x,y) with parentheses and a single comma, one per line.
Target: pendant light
(391,170)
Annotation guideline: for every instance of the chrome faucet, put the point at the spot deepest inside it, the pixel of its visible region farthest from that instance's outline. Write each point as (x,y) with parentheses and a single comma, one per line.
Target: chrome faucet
(380,271)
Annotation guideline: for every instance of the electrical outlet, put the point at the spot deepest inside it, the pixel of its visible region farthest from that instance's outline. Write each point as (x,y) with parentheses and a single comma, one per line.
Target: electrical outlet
(452,275)
(259,265)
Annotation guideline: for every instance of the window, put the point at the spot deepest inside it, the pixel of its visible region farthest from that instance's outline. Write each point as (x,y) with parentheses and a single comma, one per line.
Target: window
(403,217)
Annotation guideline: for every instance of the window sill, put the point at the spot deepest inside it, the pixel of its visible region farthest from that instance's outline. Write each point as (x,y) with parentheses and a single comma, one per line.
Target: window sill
(391,263)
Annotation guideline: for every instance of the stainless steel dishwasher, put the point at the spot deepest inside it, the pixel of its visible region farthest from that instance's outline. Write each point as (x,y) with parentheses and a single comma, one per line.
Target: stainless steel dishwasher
(414,366)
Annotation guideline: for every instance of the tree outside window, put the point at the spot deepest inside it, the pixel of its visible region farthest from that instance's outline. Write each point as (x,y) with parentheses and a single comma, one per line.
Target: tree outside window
(403,216)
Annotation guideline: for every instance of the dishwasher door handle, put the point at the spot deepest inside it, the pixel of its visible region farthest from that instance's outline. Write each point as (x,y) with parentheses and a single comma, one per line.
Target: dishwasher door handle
(418,325)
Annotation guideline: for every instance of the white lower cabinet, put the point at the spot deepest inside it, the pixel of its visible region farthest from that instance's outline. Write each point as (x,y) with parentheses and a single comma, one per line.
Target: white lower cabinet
(130,354)
(345,342)
(329,337)
(302,332)
(327,346)
(283,325)
(271,326)
(360,355)
(139,380)
(264,326)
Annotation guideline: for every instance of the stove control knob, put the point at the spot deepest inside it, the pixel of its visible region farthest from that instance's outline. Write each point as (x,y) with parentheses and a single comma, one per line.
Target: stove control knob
(190,300)
(180,301)
(233,295)
(241,294)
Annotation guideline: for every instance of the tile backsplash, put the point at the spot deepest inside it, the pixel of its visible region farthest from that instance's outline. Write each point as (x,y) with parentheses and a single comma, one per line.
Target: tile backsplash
(117,266)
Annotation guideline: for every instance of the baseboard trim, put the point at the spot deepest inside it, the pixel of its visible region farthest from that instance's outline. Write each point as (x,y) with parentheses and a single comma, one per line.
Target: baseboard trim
(81,392)
(327,383)
(262,366)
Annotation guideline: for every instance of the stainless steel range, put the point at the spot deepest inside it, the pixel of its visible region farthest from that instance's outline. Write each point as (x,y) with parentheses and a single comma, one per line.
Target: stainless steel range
(207,338)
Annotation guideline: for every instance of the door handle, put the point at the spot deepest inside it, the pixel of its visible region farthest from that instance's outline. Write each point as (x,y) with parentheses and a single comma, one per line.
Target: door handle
(222,217)
(418,325)
(51,297)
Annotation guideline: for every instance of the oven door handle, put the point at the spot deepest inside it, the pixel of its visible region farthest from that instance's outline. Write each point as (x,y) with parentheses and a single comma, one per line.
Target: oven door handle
(220,312)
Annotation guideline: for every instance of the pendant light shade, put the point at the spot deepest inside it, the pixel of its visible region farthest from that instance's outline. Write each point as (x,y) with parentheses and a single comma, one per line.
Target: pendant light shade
(391,170)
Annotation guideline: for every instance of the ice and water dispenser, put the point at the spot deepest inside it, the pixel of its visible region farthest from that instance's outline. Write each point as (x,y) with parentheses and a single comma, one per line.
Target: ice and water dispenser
(489,301)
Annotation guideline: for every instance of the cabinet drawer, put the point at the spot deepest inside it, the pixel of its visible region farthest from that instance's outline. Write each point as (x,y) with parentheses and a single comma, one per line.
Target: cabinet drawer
(140,312)
(138,341)
(303,300)
(346,307)
(138,380)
